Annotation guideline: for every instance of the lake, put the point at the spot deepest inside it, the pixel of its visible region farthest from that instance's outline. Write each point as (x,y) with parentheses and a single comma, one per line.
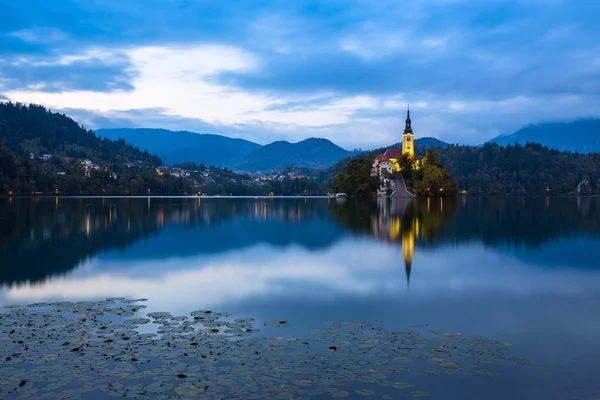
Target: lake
(491,298)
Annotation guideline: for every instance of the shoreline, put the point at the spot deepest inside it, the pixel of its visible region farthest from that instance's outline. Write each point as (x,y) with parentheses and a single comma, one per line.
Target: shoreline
(163,197)
(276,197)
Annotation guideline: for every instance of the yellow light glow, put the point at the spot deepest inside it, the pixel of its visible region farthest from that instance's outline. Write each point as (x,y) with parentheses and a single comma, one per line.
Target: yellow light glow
(408,247)
(395,228)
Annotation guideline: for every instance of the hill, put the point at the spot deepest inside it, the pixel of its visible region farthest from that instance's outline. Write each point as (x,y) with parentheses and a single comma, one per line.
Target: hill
(33,129)
(582,135)
(312,153)
(427,142)
(42,152)
(532,169)
(175,147)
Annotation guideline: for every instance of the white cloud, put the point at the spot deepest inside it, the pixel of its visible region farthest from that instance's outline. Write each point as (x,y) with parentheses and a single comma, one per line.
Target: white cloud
(370,42)
(175,79)
(40,35)
(178,81)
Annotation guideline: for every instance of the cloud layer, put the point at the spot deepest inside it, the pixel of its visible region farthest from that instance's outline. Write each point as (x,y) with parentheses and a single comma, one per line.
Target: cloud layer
(271,70)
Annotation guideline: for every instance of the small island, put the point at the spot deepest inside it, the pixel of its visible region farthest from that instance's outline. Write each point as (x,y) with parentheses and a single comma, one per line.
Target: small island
(396,173)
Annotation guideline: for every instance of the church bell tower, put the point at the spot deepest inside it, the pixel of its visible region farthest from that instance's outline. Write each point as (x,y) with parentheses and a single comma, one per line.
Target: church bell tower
(408,138)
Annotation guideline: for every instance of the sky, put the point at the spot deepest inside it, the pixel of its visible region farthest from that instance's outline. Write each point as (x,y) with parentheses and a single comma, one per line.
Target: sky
(267,70)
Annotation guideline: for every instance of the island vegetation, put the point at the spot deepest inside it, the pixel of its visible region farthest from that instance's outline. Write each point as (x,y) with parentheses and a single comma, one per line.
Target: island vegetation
(430,179)
(355,178)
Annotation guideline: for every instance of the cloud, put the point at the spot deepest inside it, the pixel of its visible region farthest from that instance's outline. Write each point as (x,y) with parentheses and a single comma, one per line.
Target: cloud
(287,70)
(262,270)
(161,77)
(39,35)
(94,71)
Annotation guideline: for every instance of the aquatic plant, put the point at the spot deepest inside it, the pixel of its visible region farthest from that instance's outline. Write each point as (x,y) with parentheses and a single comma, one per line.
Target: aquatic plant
(68,350)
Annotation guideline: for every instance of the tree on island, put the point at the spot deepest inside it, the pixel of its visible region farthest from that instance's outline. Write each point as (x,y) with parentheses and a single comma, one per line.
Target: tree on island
(355,179)
(431,180)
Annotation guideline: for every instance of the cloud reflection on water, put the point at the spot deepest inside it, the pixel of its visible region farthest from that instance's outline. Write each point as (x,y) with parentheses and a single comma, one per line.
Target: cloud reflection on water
(357,267)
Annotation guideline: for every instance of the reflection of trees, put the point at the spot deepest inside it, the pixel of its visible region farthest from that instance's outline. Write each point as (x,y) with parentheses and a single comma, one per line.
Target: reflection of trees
(494,221)
(523,221)
(46,236)
(408,222)
(42,237)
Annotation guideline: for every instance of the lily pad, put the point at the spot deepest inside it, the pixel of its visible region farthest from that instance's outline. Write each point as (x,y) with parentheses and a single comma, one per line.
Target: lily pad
(276,323)
(365,392)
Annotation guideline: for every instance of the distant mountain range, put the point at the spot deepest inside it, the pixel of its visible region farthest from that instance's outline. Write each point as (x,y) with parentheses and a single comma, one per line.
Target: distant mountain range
(582,135)
(181,146)
(175,147)
(312,153)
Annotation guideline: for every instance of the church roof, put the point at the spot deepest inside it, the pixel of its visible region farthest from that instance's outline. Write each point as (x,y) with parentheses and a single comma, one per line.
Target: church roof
(393,152)
(382,157)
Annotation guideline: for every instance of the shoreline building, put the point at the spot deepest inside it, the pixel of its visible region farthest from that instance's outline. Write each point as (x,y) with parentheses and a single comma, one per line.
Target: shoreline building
(393,155)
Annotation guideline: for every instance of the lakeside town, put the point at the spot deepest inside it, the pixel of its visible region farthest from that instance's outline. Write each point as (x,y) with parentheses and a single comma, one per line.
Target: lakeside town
(194,175)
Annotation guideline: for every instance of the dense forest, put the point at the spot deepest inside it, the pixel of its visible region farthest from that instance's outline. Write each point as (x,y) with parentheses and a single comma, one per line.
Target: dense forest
(529,169)
(42,152)
(34,129)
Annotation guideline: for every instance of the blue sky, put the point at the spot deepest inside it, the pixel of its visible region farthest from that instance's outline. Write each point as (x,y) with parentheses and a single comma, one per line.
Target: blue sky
(271,70)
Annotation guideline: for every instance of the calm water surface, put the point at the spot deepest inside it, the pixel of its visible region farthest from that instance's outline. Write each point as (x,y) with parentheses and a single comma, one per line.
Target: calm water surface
(524,271)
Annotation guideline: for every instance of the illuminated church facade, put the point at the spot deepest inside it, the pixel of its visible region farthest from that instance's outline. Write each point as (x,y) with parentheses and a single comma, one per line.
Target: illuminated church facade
(389,161)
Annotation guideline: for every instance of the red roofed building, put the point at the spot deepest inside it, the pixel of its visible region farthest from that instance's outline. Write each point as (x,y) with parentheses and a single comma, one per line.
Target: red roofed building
(381,164)
(394,154)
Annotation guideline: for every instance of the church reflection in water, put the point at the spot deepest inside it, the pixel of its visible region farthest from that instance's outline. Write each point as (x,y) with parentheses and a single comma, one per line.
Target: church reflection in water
(391,223)
(403,221)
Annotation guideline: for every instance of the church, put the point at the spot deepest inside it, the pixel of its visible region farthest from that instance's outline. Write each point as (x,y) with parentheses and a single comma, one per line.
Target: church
(389,161)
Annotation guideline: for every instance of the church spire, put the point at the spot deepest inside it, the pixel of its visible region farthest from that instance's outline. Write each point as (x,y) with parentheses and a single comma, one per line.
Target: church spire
(407,127)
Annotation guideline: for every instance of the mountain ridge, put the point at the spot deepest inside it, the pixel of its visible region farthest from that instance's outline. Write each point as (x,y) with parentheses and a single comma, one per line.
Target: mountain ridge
(175,147)
(581,135)
(310,152)
(182,146)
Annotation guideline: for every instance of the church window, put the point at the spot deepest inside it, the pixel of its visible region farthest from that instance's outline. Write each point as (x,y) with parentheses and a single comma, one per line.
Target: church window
(408,139)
